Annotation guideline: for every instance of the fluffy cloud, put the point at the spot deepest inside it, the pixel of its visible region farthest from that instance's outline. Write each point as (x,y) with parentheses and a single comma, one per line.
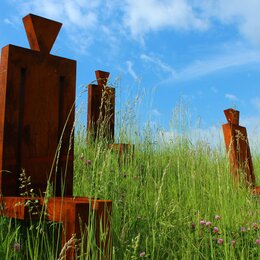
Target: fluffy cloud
(143,16)
(238,57)
(244,14)
(72,12)
(231,97)
(130,70)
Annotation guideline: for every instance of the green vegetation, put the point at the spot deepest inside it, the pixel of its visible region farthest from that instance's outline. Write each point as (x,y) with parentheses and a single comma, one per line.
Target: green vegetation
(164,197)
(171,200)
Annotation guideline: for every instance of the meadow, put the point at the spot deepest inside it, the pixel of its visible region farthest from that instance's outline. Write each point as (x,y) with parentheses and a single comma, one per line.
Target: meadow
(172,199)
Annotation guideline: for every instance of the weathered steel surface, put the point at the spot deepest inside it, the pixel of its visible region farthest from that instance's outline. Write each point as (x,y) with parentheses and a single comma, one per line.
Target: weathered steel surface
(37,95)
(41,33)
(36,109)
(72,212)
(238,149)
(101,108)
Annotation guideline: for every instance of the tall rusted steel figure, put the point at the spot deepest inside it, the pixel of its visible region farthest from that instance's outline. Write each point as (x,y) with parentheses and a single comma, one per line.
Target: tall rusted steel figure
(101,108)
(36,110)
(238,150)
(101,113)
(37,95)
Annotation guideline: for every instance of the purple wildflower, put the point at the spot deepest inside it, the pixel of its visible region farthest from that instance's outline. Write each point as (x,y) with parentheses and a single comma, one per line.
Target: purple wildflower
(233,242)
(243,229)
(217,217)
(142,254)
(257,241)
(88,162)
(215,230)
(220,241)
(208,224)
(202,222)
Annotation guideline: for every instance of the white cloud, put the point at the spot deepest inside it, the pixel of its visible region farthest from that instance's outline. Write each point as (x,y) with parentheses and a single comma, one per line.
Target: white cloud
(130,70)
(74,13)
(156,112)
(244,14)
(231,97)
(220,62)
(143,16)
(8,21)
(163,66)
(238,58)
(87,18)
(84,22)
(78,16)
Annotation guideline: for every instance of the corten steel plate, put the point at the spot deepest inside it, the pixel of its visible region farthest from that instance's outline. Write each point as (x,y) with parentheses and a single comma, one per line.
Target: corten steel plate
(37,94)
(237,146)
(101,108)
(73,213)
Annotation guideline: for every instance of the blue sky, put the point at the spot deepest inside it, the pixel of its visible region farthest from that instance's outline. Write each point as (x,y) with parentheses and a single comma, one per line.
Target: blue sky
(206,52)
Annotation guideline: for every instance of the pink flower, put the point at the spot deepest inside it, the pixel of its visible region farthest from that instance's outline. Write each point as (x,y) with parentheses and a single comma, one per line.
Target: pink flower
(255,226)
(217,217)
(220,241)
(257,241)
(202,222)
(243,229)
(88,162)
(208,224)
(215,230)
(233,242)
(142,254)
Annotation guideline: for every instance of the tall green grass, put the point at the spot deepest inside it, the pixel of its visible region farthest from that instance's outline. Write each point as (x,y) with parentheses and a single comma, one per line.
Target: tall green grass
(169,198)
(161,194)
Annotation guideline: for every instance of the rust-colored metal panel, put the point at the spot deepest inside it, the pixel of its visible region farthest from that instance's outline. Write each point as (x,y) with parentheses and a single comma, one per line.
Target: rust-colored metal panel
(101,108)
(237,146)
(232,116)
(72,212)
(37,95)
(41,32)
(37,107)
(256,190)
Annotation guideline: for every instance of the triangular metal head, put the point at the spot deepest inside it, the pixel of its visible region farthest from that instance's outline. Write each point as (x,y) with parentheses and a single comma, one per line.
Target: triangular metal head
(102,77)
(41,32)
(232,116)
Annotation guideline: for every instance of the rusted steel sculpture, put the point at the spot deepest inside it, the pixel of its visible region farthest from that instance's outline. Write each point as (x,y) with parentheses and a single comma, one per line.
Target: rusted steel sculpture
(101,113)
(101,108)
(238,150)
(37,95)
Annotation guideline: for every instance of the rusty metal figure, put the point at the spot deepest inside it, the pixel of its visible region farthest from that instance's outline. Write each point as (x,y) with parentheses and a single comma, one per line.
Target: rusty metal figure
(37,95)
(238,150)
